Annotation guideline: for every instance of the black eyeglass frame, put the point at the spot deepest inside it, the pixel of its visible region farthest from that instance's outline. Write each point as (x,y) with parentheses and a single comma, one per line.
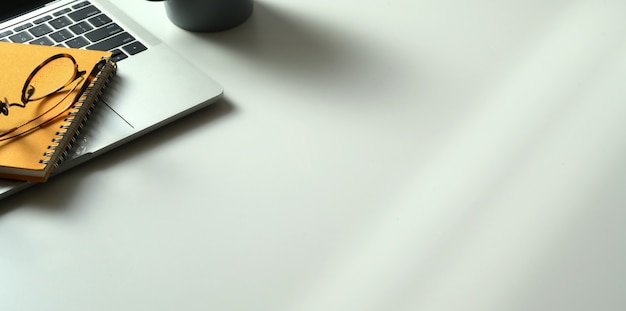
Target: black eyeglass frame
(28,92)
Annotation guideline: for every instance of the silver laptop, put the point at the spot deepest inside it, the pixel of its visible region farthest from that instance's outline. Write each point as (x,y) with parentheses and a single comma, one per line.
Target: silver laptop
(153,85)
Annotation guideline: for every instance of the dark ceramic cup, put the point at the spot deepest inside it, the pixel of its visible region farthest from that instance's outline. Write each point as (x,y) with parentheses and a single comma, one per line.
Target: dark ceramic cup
(207,15)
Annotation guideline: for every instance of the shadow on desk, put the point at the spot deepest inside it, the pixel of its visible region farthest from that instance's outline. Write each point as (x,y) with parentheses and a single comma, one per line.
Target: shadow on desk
(282,39)
(58,191)
(310,49)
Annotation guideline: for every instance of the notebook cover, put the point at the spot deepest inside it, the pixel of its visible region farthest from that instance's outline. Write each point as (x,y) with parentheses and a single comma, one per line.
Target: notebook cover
(33,156)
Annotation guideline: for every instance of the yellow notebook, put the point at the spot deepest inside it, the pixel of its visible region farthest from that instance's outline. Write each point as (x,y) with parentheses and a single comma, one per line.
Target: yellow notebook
(46,95)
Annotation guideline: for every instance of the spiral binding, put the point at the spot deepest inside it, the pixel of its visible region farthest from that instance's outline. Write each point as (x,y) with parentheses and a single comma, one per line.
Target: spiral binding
(81,111)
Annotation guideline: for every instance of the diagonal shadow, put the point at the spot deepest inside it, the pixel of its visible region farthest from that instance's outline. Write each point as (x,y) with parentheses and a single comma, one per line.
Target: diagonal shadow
(283,41)
(310,50)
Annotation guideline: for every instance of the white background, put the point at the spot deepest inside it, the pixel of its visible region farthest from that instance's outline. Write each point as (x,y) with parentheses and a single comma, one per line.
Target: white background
(368,155)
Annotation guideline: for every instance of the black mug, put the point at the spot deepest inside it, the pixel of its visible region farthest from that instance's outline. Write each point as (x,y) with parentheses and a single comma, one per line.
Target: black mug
(207,15)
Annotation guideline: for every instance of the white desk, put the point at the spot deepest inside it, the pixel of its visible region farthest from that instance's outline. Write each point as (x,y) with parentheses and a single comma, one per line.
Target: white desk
(368,155)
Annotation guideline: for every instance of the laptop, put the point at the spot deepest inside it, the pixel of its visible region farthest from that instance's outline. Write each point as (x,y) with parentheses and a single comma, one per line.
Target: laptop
(153,85)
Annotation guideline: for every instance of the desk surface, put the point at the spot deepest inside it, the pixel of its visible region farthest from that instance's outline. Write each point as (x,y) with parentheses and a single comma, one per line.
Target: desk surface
(368,155)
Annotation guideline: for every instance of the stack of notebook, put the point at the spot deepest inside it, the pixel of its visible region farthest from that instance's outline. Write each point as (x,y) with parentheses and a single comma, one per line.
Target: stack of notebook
(46,96)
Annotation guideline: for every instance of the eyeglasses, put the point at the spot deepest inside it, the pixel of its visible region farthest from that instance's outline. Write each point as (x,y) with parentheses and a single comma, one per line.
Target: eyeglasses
(44,94)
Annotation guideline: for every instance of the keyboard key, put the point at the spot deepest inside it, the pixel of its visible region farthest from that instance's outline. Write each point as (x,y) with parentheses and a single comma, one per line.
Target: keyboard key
(118,55)
(80,5)
(81,28)
(6,33)
(62,35)
(104,32)
(22,27)
(77,42)
(134,48)
(40,30)
(84,13)
(21,37)
(113,42)
(61,12)
(60,22)
(42,19)
(42,41)
(99,20)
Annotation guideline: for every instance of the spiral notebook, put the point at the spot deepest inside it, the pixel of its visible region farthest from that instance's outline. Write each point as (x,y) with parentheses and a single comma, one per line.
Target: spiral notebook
(154,84)
(46,96)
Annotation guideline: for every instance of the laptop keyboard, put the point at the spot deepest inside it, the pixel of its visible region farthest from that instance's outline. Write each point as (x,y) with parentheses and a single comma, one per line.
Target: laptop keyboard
(80,26)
